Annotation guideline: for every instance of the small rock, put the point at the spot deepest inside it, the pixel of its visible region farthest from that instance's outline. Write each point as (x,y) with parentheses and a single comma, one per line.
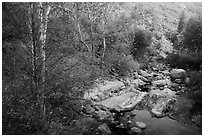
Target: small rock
(87,109)
(120,126)
(96,108)
(141,125)
(159,83)
(96,98)
(178,73)
(165,72)
(135,130)
(165,86)
(135,75)
(187,80)
(143,73)
(178,81)
(137,83)
(161,88)
(157,113)
(143,79)
(130,122)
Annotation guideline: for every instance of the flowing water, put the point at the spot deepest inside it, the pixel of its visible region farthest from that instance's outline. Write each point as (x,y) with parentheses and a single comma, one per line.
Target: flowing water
(165,125)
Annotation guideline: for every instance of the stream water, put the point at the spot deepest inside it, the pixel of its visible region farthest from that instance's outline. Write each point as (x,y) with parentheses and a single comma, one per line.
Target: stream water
(165,125)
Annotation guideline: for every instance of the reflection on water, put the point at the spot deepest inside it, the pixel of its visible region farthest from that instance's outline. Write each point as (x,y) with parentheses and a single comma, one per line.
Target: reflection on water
(165,126)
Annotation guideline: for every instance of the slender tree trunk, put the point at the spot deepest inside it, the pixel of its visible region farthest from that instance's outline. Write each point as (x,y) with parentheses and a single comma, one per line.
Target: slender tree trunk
(33,48)
(44,12)
(91,33)
(80,36)
(104,47)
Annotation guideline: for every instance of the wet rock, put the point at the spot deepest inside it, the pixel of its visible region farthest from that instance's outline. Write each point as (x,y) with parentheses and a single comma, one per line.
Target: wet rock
(146,87)
(165,72)
(144,73)
(174,87)
(143,79)
(161,88)
(135,130)
(87,109)
(161,106)
(161,83)
(135,75)
(141,125)
(120,125)
(187,80)
(104,129)
(96,98)
(137,124)
(157,113)
(132,102)
(137,83)
(95,107)
(178,81)
(177,73)
(159,77)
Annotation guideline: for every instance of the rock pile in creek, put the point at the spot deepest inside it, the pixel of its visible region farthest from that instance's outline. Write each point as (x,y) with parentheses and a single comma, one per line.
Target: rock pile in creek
(115,100)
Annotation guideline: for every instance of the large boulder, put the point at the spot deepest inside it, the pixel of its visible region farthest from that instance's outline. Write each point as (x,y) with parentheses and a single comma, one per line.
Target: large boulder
(124,102)
(178,74)
(162,82)
(137,83)
(101,91)
(161,107)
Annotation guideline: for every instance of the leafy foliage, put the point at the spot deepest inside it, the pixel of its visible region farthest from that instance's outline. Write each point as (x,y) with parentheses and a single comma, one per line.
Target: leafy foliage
(192,35)
(141,40)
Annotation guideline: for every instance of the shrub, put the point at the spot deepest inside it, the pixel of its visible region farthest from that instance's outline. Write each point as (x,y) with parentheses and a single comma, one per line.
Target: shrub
(192,35)
(119,64)
(195,80)
(184,61)
(141,39)
(127,65)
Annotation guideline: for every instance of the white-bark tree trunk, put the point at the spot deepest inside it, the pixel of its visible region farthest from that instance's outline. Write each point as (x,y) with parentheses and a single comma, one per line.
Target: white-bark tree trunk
(44,13)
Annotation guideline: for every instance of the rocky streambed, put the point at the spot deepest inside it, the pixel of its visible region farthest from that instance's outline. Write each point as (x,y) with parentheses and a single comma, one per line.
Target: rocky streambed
(143,103)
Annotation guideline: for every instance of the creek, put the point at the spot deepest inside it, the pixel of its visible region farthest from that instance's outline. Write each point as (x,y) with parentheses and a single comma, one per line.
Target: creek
(165,125)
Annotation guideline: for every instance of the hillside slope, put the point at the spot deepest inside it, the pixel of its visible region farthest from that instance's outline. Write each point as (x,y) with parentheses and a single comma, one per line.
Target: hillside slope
(165,15)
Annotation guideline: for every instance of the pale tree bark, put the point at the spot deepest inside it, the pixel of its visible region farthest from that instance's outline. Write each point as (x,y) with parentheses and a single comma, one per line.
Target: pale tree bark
(104,40)
(104,24)
(73,13)
(32,46)
(44,11)
(91,31)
